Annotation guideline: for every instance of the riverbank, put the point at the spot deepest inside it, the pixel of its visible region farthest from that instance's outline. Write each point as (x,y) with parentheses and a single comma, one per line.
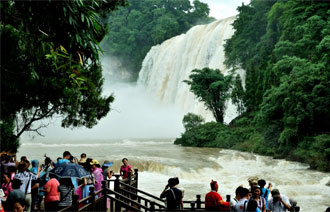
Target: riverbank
(242,134)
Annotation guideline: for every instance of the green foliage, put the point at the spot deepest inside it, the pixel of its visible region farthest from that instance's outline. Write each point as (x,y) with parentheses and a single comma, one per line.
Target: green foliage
(135,29)
(211,87)
(190,121)
(50,63)
(238,95)
(284,48)
(200,136)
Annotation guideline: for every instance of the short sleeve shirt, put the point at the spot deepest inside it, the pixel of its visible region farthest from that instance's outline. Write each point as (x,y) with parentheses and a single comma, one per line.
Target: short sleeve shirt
(53,194)
(241,205)
(212,202)
(278,206)
(26,179)
(173,198)
(125,170)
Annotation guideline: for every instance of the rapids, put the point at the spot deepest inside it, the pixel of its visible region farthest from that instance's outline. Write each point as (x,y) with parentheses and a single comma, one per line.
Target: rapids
(158,160)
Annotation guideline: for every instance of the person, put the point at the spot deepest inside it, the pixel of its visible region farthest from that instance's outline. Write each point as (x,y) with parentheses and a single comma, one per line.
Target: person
(253,206)
(278,202)
(213,200)
(65,159)
(6,185)
(242,199)
(6,163)
(256,196)
(52,197)
(19,206)
(26,178)
(15,195)
(265,191)
(34,192)
(43,179)
(23,158)
(125,169)
(11,170)
(83,158)
(98,175)
(107,173)
(173,195)
(253,182)
(66,192)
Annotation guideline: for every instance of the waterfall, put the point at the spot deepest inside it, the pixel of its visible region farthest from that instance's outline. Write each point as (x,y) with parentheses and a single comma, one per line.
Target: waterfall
(166,66)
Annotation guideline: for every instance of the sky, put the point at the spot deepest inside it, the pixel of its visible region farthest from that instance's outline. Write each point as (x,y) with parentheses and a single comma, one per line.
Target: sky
(221,9)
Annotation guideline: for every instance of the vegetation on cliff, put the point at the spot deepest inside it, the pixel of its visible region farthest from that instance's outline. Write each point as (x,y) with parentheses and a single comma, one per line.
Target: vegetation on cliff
(284,47)
(133,30)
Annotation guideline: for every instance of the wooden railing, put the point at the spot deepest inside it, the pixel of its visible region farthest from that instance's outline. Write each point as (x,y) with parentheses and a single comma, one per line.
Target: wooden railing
(118,195)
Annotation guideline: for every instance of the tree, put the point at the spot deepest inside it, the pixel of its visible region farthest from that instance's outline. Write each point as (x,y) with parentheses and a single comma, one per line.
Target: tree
(191,121)
(211,87)
(50,64)
(238,95)
(135,29)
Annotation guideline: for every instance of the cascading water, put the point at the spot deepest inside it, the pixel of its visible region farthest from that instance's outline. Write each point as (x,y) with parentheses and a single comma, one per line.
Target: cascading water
(167,65)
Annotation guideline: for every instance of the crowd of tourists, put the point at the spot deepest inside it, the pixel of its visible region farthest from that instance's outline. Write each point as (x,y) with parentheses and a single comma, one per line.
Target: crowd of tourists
(256,198)
(30,186)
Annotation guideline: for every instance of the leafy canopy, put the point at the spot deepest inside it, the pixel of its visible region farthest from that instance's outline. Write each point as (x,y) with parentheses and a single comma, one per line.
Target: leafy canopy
(50,64)
(211,87)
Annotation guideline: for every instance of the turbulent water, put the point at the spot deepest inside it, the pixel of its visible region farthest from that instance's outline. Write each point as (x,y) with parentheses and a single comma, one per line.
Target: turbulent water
(167,65)
(159,159)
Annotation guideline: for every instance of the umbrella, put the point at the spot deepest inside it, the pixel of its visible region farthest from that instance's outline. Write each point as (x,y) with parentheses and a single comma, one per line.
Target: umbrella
(68,170)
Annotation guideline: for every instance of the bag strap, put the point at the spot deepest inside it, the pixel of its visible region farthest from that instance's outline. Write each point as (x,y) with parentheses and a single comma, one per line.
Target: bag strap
(244,206)
(27,185)
(173,194)
(266,193)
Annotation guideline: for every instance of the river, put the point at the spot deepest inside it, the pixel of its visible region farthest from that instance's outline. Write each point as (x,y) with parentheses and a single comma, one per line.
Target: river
(159,159)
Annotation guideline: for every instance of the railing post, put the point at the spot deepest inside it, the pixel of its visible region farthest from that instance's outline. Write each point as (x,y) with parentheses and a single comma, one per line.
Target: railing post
(75,202)
(136,173)
(152,206)
(92,194)
(198,201)
(117,189)
(104,193)
(192,205)
(227,198)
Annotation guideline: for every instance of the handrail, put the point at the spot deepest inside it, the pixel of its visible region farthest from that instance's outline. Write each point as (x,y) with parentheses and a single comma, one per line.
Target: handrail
(145,199)
(143,192)
(127,206)
(126,198)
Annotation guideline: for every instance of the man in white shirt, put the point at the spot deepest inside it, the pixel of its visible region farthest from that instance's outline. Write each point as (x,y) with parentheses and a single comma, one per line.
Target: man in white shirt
(26,178)
(242,199)
(278,202)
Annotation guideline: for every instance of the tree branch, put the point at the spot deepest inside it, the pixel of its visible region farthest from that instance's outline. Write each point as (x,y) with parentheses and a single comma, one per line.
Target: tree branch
(35,117)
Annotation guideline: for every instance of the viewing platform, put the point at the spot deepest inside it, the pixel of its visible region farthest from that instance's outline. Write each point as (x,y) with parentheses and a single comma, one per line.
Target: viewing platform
(119,195)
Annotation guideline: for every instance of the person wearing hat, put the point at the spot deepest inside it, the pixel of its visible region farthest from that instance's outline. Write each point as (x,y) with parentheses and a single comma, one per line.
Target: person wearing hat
(278,202)
(98,175)
(26,177)
(173,195)
(213,200)
(107,173)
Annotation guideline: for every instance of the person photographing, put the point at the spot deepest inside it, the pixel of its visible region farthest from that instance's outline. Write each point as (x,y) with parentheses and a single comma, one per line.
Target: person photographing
(173,195)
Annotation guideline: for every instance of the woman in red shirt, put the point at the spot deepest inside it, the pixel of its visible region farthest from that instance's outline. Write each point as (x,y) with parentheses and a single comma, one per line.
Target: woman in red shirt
(52,197)
(125,169)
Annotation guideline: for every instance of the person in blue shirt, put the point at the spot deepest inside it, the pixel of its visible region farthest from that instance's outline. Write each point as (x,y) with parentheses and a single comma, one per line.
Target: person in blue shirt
(265,191)
(65,159)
